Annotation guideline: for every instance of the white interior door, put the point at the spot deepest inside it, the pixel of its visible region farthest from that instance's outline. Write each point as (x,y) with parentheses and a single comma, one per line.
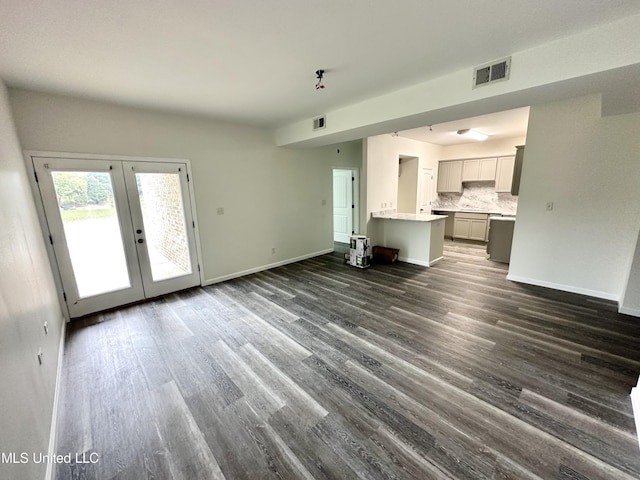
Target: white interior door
(426,190)
(343,206)
(98,213)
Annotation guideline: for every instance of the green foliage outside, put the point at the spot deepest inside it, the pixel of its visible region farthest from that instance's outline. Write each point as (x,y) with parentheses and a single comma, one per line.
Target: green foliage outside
(79,189)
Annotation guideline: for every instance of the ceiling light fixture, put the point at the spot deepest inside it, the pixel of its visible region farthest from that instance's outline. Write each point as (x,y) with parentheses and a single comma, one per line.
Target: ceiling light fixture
(473,134)
(319,75)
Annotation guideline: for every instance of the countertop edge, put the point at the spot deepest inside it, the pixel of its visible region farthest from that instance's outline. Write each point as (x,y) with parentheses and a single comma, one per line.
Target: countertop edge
(417,217)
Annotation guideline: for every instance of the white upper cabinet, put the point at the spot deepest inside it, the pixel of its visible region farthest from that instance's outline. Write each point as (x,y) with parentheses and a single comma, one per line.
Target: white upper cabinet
(450,177)
(487,169)
(479,169)
(470,170)
(504,174)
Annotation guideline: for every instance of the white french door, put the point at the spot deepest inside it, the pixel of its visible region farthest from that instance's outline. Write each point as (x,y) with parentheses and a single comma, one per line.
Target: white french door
(121,231)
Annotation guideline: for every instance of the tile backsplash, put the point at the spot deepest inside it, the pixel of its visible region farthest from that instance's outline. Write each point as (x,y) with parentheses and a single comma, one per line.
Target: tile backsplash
(478,196)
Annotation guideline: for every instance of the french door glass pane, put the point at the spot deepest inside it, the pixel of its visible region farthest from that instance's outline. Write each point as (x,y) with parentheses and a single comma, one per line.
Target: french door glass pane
(164,224)
(92,231)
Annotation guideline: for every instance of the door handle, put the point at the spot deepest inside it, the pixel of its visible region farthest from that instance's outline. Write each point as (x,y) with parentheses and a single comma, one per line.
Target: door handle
(140,240)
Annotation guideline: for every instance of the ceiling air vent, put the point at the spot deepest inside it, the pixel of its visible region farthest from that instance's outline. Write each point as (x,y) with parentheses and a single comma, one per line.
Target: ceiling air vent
(491,72)
(319,122)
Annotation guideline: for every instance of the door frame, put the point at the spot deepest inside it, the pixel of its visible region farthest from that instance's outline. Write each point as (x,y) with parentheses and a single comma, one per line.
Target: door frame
(28,156)
(355,194)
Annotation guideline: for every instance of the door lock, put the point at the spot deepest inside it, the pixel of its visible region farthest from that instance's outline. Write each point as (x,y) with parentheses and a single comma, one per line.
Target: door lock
(138,231)
(140,240)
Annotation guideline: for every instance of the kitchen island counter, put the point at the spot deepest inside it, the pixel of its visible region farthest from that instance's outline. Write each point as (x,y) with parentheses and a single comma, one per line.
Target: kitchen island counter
(420,237)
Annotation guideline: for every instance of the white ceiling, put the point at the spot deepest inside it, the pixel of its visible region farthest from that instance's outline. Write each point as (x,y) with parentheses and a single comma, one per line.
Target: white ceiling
(253,61)
(507,124)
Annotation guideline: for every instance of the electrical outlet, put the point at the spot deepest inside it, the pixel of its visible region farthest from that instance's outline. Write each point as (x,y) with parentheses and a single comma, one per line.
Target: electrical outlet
(220,211)
(549,206)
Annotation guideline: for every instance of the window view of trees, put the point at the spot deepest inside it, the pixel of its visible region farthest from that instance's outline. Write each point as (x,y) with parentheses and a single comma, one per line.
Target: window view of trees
(79,189)
(84,195)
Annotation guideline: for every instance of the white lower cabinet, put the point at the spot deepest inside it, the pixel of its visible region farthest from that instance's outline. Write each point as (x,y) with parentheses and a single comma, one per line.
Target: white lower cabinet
(470,226)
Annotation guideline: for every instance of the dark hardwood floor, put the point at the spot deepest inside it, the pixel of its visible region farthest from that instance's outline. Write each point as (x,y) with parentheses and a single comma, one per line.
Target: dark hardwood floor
(320,370)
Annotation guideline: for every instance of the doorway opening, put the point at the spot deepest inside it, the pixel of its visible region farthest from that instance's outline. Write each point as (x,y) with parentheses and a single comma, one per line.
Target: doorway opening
(345,204)
(415,186)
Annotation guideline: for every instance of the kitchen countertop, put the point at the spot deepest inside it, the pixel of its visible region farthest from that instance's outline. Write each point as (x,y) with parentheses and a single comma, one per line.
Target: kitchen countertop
(412,217)
(474,210)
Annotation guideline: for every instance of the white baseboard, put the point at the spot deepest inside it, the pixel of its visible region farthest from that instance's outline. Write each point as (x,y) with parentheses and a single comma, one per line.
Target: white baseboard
(422,263)
(413,261)
(564,288)
(231,276)
(50,472)
(629,311)
(435,261)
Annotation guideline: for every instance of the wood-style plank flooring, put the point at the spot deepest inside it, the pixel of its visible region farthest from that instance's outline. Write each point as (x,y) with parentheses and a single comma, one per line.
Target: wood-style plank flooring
(317,370)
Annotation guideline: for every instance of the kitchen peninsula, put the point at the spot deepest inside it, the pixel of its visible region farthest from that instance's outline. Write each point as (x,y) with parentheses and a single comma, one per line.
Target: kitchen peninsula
(420,237)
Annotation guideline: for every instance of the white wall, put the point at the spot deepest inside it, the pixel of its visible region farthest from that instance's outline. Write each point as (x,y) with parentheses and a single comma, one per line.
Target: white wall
(488,148)
(381,154)
(272,197)
(589,167)
(27,300)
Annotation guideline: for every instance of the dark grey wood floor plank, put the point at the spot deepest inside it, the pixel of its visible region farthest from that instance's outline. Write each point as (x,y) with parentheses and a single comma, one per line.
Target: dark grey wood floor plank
(302,405)
(190,456)
(280,460)
(319,459)
(263,399)
(317,370)
(231,445)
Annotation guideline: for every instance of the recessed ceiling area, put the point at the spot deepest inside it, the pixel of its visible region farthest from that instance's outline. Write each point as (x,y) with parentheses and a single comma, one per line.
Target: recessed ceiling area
(507,124)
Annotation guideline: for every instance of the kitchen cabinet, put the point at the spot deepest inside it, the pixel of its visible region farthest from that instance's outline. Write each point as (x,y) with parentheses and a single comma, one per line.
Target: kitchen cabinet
(504,174)
(479,169)
(450,177)
(471,226)
(448,223)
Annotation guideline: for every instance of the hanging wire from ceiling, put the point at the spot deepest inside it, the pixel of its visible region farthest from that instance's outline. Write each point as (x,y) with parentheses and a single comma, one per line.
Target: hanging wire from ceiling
(319,76)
